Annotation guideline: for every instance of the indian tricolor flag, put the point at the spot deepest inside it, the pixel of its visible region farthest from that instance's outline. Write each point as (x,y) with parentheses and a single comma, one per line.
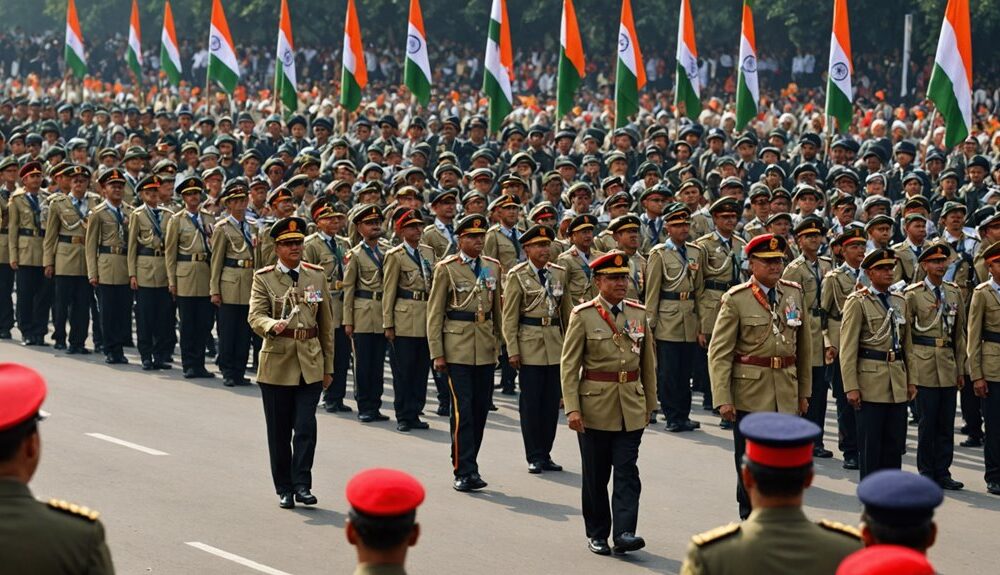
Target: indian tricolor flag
(170,56)
(499,72)
(417,70)
(747,90)
(355,75)
(75,58)
(951,81)
(135,43)
(688,92)
(839,92)
(631,75)
(285,83)
(223,67)
(571,63)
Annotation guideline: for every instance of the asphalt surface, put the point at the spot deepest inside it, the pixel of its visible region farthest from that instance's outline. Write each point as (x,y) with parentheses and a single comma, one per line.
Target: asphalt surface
(189,491)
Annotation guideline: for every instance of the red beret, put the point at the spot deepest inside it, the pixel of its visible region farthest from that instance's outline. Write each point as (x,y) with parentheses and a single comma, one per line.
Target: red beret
(885,560)
(22,390)
(384,492)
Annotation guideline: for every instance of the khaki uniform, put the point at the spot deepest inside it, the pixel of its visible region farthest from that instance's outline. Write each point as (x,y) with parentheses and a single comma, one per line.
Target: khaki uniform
(837,285)
(264,254)
(673,286)
(25,230)
(754,228)
(455,288)
(66,234)
(316,251)
(605,241)
(526,299)
(701,224)
(107,245)
(721,270)
(867,325)
(907,269)
(406,287)
(4,226)
(979,264)
(984,320)
(579,281)
(646,239)
(155,317)
(498,246)
(938,335)
(232,264)
(806,275)
(187,252)
(438,241)
(145,247)
(636,278)
(364,274)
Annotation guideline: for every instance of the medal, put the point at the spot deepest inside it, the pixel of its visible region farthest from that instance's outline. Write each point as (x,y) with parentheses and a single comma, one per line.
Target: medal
(792,317)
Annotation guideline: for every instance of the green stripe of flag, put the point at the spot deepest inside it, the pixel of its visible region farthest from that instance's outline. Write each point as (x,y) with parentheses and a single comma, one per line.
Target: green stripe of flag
(569,81)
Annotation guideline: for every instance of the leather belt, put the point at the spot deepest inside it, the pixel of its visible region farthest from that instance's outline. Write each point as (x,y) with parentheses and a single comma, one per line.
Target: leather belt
(777,362)
(3,230)
(365,294)
(115,250)
(72,239)
(539,321)
(834,316)
(202,257)
(932,341)
(611,376)
(676,295)
(469,316)
(244,264)
(817,312)
(30,232)
(718,286)
(299,334)
(414,295)
(992,336)
(144,251)
(866,353)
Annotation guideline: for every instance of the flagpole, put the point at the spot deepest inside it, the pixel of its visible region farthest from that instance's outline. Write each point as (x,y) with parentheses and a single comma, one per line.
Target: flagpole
(829,139)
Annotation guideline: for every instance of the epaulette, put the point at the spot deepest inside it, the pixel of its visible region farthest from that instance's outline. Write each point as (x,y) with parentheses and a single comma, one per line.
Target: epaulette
(717,534)
(101,206)
(634,304)
(493,228)
(557,266)
(826,258)
(489,259)
(740,287)
(913,286)
(831,273)
(984,285)
(448,260)
(18,192)
(706,236)
(860,292)
(839,527)
(220,223)
(74,509)
(57,197)
(692,245)
(394,249)
(952,284)
(518,267)
(584,305)
(790,283)
(310,266)
(265,269)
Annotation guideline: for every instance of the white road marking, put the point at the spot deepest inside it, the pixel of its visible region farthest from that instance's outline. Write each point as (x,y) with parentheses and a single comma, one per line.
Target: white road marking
(129,444)
(236,558)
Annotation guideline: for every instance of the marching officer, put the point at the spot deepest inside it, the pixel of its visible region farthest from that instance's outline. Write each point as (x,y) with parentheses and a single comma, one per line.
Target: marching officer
(984,369)
(289,309)
(761,351)
(187,254)
(625,231)
(532,330)
(875,339)
(503,244)
(408,271)
(65,257)
(609,391)
(363,285)
(8,177)
(147,272)
(937,322)
(26,257)
(463,333)
(107,264)
(576,261)
(229,284)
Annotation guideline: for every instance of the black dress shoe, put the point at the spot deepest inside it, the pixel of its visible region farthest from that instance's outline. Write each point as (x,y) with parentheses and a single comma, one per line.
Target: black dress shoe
(162,365)
(549,465)
(493,407)
(82,350)
(674,427)
(337,407)
(443,410)
(305,497)
(950,484)
(147,365)
(229,382)
(72,350)
(599,546)
(40,341)
(972,442)
(691,425)
(535,467)
(725,424)
(201,372)
(189,374)
(28,341)
(508,391)
(59,345)
(822,453)
(242,382)
(286,501)
(628,542)
(378,416)
(403,426)
(463,484)
(5,334)
(477,482)
(110,359)
(366,417)
(850,462)
(417,424)
(993,487)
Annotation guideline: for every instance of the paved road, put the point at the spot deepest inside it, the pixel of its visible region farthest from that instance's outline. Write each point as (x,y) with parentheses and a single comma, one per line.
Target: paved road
(192,483)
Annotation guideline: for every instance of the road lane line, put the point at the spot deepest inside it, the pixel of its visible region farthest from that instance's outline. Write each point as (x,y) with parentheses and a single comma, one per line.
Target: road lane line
(129,444)
(235,558)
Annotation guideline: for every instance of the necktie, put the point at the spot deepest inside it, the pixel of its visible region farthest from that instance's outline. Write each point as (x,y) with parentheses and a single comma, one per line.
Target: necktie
(197,225)
(246,232)
(294,274)
(772,297)
(819,283)
(682,250)
(542,273)
(476,267)
(653,233)
(884,298)
(77,203)
(451,231)
(937,294)
(516,242)
(615,310)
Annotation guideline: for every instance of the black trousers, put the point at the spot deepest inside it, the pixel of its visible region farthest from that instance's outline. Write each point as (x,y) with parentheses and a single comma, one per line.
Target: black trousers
(369,362)
(116,325)
(34,300)
(700,377)
(539,408)
(411,361)
(991,440)
(441,384)
(341,364)
(507,373)
(154,323)
(6,297)
(674,367)
(72,303)
(847,424)
(234,340)
(197,314)
(290,414)
(972,411)
(601,453)
(471,394)
(881,436)
(739,448)
(817,402)
(97,329)
(936,431)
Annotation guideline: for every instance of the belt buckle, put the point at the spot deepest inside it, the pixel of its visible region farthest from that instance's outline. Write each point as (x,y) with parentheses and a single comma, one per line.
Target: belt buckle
(941,342)
(338,285)
(300,334)
(684,295)
(77,240)
(418,296)
(776,363)
(157,252)
(546,321)
(117,250)
(246,263)
(622,377)
(891,355)
(480,317)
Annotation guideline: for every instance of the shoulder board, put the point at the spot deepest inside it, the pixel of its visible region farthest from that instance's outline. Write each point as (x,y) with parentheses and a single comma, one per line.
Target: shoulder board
(311,237)
(896,246)
(57,197)
(952,284)
(493,228)
(356,248)
(265,269)
(832,273)
(790,283)
(429,227)
(895,294)
(983,286)
(706,237)
(384,242)
(73,509)
(557,266)
(740,287)
(839,527)
(518,267)
(394,249)
(310,266)
(101,206)
(657,248)
(634,304)
(448,259)
(584,305)
(913,286)
(717,534)
(692,245)
(19,192)
(826,259)
(219,224)
(860,292)
(489,259)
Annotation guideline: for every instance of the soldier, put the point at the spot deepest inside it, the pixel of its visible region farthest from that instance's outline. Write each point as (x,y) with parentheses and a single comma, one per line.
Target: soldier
(777,537)
(616,205)
(289,310)
(609,392)
(808,270)
(533,333)
(26,256)
(8,179)
(673,284)
(983,344)
(229,285)
(408,270)
(760,202)
(382,520)
(625,232)
(363,285)
(463,333)
(107,264)
(65,258)
(187,254)
(875,338)
(899,509)
(282,204)
(328,250)
(440,235)
(653,200)
(576,261)
(54,538)
(907,251)
(147,272)
(502,243)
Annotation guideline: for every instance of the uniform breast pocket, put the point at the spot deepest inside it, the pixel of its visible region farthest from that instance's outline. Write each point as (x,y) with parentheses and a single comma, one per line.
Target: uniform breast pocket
(754,328)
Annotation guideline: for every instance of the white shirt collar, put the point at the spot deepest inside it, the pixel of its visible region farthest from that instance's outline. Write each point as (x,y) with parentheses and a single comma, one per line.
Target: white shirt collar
(285,269)
(995,285)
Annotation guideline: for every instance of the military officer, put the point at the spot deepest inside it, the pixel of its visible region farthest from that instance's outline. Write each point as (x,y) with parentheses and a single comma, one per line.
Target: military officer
(147,272)
(289,310)
(440,235)
(107,264)
(761,350)
(532,330)
(674,280)
(808,270)
(609,392)
(984,367)
(408,271)
(463,333)
(625,232)
(899,509)
(937,323)
(363,291)
(282,204)
(53,538)
(232,265)
(65,258)
(875,339)
(8,177)
(653,200)
(382,520)
(503,244)
(328,250)
(25,239)
(187,254)
(576,260)
(777,537)
(908,270)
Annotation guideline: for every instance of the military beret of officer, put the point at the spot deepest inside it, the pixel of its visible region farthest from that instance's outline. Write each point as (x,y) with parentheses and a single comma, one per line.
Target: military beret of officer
(624,222)
(777,217)
(111,176)
(582,222)
(778,440)
(217,171)
(384,493)
(407,217)
(366,213)
(886,560)
(806,190)
(30,168)
(611,180)
(537,234)
(935,251)
(657,189)
(898,498)
(290,229)
(851,235)
(542,211)
(150,183)
(616,199)
(878,257)
(725,205)
(878,220)
(503,201)
(23,390)
(810,225)
(326,207)
(614,262)
(190,184)
(810,138)
(872,201)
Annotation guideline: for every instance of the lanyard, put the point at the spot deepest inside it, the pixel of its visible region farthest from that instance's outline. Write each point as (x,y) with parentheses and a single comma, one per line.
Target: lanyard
(155,220)
(372,254)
